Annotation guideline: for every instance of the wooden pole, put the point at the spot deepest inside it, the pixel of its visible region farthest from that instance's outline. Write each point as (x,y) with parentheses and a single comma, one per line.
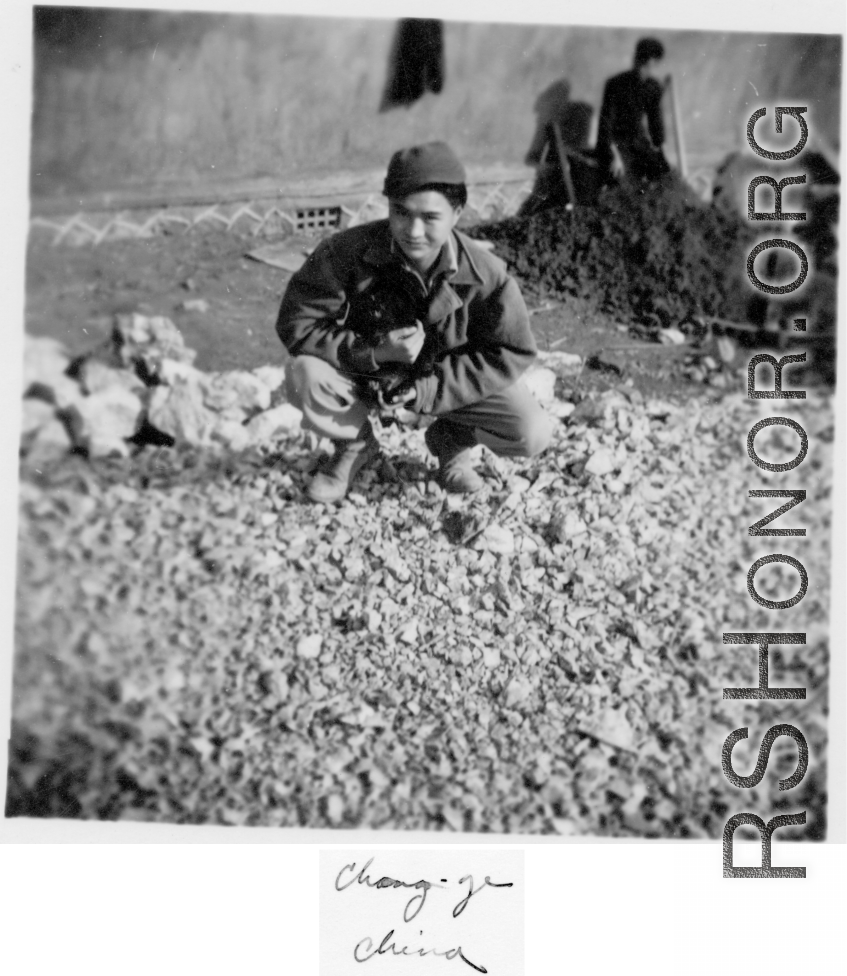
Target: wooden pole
(677,128)
(563,162)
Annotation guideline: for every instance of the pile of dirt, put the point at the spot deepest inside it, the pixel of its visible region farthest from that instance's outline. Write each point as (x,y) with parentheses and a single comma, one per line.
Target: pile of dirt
(656,256)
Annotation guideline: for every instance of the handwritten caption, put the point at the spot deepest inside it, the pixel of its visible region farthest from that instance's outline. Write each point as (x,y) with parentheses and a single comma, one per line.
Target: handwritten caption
(433,921)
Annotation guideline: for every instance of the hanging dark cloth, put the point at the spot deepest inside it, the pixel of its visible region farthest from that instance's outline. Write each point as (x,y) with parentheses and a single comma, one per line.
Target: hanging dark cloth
(416,63)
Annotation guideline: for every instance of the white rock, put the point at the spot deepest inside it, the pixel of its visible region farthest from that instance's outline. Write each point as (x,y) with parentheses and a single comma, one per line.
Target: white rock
(309,646)
(95,376)
(34,415)
(156,329)
(282,420)
(100,423)
(372,620)
(394,563)
(527,544)
(496,538)
(51,441)
(611,726)
(179,411)
(408,633)
(334,809)
(601,462)
(59,390)
(541,382)
(660,408)
(234,414)
(672,337)
(575,614)
(624,420)
(237,388)
(565,828)
(133,328)
(173,372)
(44,359)
(491,656)
(573,525)
(232,434)
(726,348)
(272,376)
(149,339)
(628,471)
(517,692)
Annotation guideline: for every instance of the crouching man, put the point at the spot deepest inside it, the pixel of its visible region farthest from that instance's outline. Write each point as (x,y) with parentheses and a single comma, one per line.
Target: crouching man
(410,312)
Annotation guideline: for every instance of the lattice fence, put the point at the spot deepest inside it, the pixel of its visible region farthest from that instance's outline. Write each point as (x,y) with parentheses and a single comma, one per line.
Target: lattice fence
(259,217)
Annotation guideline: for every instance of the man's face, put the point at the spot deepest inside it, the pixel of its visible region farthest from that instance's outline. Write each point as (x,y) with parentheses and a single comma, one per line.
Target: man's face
(420,224)
(649,69)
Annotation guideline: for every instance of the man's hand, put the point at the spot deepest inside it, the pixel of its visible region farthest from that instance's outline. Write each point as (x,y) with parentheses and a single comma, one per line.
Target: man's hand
(401,345)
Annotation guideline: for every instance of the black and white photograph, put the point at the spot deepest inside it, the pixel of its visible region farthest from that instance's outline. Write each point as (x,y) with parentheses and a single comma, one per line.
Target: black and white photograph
(427,427)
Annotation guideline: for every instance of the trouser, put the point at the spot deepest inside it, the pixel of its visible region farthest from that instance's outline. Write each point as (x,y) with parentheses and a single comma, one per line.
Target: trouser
(511,423)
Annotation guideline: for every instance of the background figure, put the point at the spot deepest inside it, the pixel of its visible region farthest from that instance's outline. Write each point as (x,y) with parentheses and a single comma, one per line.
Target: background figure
(553,105)
(631,130)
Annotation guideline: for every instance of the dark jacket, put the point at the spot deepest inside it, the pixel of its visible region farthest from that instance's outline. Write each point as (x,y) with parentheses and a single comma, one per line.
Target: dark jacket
(629,101)
(354,288)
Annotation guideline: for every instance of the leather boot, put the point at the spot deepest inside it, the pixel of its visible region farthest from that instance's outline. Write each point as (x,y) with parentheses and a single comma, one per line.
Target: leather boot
(333,481)
(449,444)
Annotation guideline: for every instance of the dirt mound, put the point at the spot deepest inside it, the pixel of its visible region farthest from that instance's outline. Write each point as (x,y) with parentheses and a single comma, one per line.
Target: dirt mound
(656,256)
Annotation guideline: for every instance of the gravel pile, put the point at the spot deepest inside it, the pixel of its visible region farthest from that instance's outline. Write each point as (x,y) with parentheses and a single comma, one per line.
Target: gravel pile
(197,643)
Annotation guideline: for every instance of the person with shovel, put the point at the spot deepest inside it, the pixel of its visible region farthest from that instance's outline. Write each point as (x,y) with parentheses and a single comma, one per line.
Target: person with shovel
(631,129)
(409,312)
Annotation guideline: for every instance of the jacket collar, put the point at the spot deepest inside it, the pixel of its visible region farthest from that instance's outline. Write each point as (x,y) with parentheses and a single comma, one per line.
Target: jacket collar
(467,272)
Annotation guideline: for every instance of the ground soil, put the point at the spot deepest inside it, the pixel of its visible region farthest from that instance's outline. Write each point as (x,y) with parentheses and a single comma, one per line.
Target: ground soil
(72,294)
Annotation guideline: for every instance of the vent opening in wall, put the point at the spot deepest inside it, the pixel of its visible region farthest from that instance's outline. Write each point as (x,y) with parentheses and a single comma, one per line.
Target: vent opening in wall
(318,218)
